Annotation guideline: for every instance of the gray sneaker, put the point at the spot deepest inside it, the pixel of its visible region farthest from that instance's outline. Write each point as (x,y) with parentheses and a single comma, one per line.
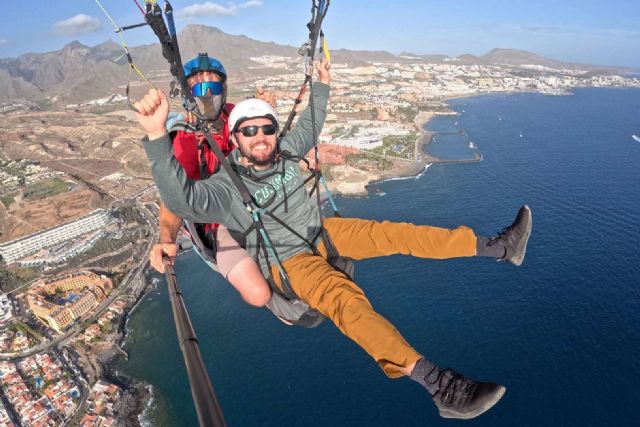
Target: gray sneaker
(462,398)
(514,238)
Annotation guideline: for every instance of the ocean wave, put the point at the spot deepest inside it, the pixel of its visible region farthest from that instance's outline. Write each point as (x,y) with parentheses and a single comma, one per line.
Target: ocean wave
(402,178)
(145,418)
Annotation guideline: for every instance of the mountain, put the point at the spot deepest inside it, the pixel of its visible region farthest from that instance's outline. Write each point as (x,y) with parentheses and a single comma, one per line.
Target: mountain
(426,58)
(516,57)
(73,73)
(78,73)
(467,58)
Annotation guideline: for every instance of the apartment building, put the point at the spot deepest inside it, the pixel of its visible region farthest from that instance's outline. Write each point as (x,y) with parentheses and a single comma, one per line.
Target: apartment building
(16,249)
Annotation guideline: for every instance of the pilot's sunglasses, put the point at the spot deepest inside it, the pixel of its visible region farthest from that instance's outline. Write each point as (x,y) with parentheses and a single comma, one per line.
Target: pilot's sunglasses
(213,88)
(252,130)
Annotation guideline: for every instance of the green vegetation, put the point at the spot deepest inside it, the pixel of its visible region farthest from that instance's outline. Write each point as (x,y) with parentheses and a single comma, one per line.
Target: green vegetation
(42,189)
(338,130)
(13,171)
(326,171)
(46,384)
(85,324)
(26,275)
(442,108)
(12,279)
(8,199)
(7,281)
(26,329)
(407,114)
(371,163)
(397,146)
(44,104)
(138,167)
(384,164)
(107,328)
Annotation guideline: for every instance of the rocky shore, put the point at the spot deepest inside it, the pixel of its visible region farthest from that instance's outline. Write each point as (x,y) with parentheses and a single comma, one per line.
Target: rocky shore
(351,182)
(136,394)
(101,362)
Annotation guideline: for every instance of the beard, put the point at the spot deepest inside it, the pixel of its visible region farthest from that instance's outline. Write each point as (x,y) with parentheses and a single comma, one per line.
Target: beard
(260,159)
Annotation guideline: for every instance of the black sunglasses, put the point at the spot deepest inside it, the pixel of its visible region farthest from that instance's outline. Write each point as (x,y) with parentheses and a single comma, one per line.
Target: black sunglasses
(252,130)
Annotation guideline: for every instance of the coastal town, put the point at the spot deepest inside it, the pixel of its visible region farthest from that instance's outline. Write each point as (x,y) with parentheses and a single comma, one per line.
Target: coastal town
(76,228)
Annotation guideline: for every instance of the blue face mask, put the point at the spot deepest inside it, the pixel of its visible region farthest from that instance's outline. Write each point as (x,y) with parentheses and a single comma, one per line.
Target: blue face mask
(207,89)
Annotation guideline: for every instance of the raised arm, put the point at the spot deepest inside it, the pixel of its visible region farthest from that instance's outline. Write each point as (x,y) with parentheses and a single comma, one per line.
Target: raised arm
(300,140)
(200,201)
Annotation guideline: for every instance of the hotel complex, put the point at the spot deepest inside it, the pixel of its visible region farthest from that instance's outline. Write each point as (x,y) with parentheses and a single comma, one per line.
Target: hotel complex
(28,245)
(77,294)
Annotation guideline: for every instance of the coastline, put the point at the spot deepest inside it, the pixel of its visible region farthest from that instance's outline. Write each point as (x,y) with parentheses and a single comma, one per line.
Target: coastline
(136,393)
(410,170)
(347,413)
(139,395)
(351,182)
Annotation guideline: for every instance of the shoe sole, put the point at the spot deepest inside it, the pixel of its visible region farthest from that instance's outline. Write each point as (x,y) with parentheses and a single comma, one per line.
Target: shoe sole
(522,247)
(478,411)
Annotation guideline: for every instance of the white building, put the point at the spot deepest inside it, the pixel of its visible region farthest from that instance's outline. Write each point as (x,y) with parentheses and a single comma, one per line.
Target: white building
(360,142)
(5,308)
(25,246)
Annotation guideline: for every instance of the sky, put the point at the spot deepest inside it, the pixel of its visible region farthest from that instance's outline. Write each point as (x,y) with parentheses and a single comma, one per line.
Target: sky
(585,31)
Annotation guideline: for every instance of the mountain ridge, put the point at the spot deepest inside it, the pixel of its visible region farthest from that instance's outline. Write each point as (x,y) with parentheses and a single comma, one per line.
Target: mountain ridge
(77,73)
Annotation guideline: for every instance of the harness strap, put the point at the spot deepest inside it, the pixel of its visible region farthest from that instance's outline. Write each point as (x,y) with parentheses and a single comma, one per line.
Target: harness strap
(267,245)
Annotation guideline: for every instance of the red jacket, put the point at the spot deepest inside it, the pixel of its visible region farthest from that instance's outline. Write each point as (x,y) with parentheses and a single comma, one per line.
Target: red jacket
(191,150)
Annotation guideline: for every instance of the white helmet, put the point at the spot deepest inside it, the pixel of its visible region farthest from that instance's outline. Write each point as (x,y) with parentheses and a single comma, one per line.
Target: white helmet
(251,109)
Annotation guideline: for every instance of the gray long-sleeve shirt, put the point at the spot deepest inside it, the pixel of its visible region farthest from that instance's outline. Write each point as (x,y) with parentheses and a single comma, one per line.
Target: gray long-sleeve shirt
(216,199)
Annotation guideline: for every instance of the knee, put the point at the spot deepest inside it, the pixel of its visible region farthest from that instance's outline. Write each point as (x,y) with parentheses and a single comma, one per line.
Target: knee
(345,300)
(258,298)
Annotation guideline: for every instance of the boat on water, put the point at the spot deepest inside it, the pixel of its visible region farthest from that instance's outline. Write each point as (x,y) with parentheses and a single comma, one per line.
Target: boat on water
(636,137)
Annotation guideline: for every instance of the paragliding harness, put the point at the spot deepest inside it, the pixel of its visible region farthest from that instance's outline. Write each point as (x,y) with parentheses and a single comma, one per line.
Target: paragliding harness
(284,303)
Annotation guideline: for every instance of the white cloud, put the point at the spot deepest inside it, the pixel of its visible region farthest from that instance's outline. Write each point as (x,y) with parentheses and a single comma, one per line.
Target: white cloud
(4,41)
(250,3)
(199,10)
(78,24)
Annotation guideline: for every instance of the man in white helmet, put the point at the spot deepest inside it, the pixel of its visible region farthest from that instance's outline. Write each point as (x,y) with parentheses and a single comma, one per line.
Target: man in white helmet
(207,79)
(270,170)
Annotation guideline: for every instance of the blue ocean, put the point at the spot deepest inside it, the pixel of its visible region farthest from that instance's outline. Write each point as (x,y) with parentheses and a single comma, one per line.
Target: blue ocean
(561,332)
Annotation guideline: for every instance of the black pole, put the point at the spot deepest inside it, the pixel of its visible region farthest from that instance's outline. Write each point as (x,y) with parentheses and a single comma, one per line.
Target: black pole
(204,397)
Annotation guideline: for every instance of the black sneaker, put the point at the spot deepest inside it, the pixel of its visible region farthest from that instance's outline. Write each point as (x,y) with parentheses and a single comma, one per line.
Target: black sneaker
(514,238)
(463,398)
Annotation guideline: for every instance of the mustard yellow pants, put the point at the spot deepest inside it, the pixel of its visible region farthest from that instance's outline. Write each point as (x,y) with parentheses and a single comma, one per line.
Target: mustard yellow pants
(329,291)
